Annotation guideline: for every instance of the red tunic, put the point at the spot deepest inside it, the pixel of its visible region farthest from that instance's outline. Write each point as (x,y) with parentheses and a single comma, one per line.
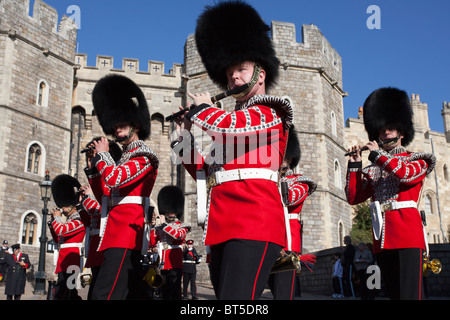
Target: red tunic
(70,232)
(300,187)
(92,220)
(252,136)
(394,176)
(134,175)
(170,237)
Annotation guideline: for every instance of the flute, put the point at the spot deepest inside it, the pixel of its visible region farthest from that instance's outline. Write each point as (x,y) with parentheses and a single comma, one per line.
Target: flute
(98,139)
(214,99)
(380,144)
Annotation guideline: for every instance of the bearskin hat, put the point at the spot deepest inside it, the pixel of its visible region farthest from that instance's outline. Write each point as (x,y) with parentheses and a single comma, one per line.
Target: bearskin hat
(117,99)
(293,150)
(171,200)
(389,107)
(65,190)
(232,32)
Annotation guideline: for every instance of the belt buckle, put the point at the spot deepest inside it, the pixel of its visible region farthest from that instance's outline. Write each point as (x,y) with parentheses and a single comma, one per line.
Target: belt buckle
(211,181)
(386,207)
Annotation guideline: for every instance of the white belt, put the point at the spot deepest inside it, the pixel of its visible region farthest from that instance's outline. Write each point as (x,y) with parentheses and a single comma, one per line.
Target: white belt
(168,246)
(220,177)
(116,201)
(71,245)
(189,261)
(376,210)
(293,216)
(396,205)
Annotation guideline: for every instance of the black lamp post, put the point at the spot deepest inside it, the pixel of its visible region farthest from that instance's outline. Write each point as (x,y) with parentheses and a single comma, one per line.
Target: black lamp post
(45,196)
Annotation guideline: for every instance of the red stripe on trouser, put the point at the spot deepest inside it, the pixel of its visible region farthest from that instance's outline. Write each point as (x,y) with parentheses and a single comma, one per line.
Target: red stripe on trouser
(117,275)
(259,268)
(293,281)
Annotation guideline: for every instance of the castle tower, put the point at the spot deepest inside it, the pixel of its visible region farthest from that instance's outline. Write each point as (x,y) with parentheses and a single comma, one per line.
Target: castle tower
(446,117)
(36,79)
(311,78)
(420,109)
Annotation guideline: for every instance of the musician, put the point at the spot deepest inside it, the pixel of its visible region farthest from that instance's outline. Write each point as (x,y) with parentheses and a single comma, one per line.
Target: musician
(393,181)
(122,112)
(299,188)
(245,222)
(69,231)
(168,238)
(92,194)
(190,261)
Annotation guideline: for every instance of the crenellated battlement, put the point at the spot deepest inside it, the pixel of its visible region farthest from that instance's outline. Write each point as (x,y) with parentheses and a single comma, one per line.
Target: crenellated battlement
(41,29)
(129,65)
(314,52)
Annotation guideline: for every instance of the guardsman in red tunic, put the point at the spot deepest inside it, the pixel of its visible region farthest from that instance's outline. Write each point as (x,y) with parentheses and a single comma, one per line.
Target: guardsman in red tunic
(244,217)
(122,111)
(393,181)
(92,194)
(69,232)
(298,188)
(168,238)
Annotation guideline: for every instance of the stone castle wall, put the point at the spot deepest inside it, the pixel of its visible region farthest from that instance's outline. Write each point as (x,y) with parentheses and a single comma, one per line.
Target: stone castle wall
(32,49)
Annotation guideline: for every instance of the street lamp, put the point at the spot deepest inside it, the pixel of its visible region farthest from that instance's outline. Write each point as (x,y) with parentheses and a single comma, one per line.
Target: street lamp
(45,187)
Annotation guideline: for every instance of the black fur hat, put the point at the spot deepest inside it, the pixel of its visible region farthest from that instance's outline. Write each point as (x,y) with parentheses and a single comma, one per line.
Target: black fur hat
(64,190)
(171,200)
(116,99)
(293,150)
(389,107)
(232,32)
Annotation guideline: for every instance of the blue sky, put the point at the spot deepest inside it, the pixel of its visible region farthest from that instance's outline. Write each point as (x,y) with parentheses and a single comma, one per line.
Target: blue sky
(411,51)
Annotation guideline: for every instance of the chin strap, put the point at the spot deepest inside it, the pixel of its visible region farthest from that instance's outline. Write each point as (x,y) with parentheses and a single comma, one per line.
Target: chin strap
(124,140)
(252,82)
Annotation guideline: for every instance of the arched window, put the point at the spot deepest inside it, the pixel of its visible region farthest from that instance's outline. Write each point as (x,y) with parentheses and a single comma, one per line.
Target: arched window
(337,174)
(35,158)
(333,124)
(29,229)
(42,93)
(341,233)
(428,204)
(445,169)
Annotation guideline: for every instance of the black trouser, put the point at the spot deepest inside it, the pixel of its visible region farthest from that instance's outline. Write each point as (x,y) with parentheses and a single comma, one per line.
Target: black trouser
(281,285)
(189,277)
(363,290)
(171,290)
(94,271)
(120,276)
(62,291)
(240,268)
(401,270)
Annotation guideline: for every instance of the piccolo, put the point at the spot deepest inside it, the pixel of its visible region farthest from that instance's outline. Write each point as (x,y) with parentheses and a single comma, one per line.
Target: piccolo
(214,99)
(98,139)
(380,144)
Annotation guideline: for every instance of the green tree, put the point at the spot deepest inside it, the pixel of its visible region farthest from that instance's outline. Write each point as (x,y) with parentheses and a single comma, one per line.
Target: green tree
(362,224)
